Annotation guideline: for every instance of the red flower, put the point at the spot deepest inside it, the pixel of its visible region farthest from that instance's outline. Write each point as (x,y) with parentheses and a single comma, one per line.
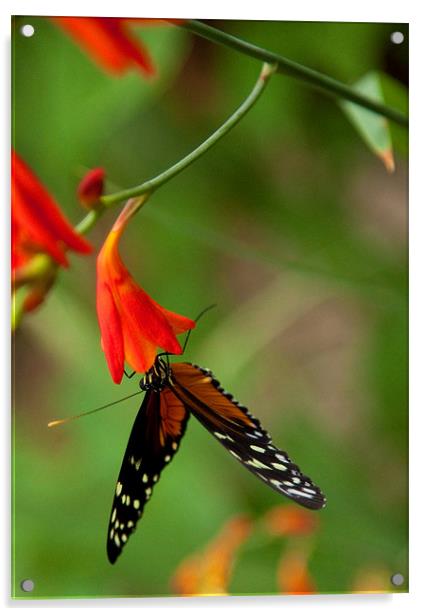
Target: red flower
(132,324)
(109,42)
(38,224)
(91,188)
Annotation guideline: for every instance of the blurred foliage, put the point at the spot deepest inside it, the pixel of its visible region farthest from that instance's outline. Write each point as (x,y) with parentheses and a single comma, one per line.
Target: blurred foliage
(298,234)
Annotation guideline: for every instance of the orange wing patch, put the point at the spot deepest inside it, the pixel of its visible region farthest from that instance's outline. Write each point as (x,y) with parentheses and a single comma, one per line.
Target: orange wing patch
(172,413)
(196,386)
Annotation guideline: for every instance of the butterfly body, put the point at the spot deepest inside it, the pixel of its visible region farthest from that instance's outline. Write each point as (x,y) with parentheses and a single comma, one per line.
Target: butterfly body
(173,393)
(157,377)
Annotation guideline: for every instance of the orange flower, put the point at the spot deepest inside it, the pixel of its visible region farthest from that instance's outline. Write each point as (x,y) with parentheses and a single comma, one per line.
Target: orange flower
(209,572)
(290,520)
(293,574)
(38,224)
(132,324)
(109,42)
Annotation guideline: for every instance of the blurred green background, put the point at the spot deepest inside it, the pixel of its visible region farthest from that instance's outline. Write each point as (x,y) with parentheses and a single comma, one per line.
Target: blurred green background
(294,229)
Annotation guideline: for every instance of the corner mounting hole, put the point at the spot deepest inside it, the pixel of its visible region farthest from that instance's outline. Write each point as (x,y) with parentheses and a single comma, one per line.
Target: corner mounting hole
(27,30)
(397,38)
(397,579)
(27,585)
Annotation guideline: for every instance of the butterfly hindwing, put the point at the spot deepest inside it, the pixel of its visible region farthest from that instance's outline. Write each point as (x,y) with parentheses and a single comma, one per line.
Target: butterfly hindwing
(154,439)
(242,435)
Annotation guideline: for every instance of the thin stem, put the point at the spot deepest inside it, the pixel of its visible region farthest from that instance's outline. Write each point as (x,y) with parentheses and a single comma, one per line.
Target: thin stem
(165,176)
(18,299)
(89,221)
(288,67)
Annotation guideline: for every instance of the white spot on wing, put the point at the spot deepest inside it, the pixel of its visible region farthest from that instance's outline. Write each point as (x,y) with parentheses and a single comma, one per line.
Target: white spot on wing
(281,457)
(309,490)
(257,464)
(299,493)
(279,466)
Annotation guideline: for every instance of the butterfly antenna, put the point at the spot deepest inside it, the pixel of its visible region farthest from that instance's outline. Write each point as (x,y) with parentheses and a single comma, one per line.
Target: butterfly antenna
(59,422)
(203,312)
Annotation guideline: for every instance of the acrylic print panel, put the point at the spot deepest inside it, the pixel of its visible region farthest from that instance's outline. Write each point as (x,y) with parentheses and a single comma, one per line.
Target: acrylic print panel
(155,173)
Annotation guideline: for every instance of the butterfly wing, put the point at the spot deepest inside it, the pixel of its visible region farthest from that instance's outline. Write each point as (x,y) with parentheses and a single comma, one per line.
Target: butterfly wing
(154,439)
(241,434)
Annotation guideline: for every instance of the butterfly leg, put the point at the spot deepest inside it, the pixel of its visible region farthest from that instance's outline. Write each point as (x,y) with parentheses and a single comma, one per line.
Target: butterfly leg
(131,375)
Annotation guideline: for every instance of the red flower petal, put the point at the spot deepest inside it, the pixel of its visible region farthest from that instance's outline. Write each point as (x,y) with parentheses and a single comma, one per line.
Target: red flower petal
(20,251)
(130,46)
(39,215)
(143,315)
(179,323)
(108,42)
(143,324)
(111,333)
(26,210)
(139,352)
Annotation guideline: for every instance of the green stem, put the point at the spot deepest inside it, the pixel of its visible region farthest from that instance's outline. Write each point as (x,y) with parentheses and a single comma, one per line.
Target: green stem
(288,67)
(165,176)
(18,299)
(89,221)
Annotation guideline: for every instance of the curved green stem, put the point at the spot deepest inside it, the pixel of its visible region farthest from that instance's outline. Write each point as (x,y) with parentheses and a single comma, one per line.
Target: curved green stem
(288,67)
(89,221)
(165,176)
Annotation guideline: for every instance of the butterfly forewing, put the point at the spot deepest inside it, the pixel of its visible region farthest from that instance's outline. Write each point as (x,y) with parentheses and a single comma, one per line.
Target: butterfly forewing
(241,434)
(154,439)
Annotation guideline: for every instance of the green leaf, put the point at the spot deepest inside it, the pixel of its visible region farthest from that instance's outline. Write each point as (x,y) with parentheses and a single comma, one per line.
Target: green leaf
(396,95)
(372,127)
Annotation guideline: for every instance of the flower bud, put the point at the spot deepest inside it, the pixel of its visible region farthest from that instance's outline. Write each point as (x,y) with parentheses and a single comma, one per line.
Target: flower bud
(91,188)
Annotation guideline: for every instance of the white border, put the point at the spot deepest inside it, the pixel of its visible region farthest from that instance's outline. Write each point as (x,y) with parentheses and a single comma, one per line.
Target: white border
(326,10)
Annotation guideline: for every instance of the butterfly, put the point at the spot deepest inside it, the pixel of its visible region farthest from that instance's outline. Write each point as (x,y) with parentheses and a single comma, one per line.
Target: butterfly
(173,393)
